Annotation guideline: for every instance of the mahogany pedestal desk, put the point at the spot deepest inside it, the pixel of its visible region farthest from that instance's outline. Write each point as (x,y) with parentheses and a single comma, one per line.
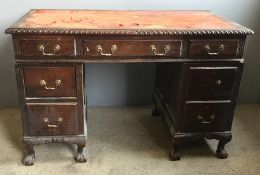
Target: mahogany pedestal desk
(199,62)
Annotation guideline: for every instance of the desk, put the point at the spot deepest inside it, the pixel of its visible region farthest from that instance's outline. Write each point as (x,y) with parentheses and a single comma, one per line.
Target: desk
(199,62)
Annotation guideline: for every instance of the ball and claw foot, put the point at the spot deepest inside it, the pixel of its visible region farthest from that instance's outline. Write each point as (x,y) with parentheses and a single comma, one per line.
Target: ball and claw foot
(29,159)
(174,155)
(155,112)
(222,154)
(81,155)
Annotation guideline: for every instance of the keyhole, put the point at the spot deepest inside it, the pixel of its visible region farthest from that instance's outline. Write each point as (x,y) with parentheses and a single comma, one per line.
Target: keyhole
(133,43)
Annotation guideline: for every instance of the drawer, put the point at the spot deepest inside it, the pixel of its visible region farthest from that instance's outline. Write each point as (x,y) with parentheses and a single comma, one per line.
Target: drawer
(213,48)
(53,119)
(50,81)
(132,48)
(48,47)
(210,82)
(207,117)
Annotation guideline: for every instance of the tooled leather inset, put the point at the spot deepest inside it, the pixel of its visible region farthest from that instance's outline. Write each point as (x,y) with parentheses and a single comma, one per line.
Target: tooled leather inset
(84,19)
(107,22)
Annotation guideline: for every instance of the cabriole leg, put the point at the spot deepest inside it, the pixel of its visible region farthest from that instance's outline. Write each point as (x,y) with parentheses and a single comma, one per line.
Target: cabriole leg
(174,152)
(155,111)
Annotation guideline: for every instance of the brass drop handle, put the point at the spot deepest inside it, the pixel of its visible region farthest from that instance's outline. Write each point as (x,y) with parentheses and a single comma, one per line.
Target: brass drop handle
(219,82)
(154,50)
(203,120)
(46,121)
(199,117)
(208,50)
(41,48)
(113,49)
(212,117)
(44,84)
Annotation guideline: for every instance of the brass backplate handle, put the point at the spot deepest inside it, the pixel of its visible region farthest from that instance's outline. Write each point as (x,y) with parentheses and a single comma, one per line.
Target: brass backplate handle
(44,84)
(113,49)
(41,48)
(154,50)
(219,51)
(204,121)
(59,121)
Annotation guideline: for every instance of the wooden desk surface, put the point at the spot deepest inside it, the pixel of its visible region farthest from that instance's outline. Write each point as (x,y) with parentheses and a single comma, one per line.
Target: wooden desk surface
(50,20)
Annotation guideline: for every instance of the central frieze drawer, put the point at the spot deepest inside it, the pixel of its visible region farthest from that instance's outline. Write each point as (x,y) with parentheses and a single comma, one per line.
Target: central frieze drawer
(53,119)
(132,48)
(50,81)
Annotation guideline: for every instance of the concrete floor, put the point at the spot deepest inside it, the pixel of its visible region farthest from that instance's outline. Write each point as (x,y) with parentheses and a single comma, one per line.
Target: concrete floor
(128,140)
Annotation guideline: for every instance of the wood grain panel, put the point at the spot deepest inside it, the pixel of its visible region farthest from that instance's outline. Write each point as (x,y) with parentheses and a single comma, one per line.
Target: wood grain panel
(29,46)
(33,76)
(210,82)
(68,113)
(206,117)
(197,48)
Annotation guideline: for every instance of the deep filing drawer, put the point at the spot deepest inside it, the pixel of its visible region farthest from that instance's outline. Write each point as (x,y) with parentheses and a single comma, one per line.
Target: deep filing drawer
(50,81)
(209,82)
(48,47)
(213,48)
(53,119)
(132,47)
(207,116)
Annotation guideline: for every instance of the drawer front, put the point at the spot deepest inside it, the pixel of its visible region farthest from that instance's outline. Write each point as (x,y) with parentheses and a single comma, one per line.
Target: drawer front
(132,48)
(48,47)
(207,117)
(210,82)
(50,81)
(213,48)
(53,119)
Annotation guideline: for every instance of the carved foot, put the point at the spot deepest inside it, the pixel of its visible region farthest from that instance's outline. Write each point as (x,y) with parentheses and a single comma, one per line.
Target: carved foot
(221,152)
(174,155)
(29,159)
(81,155)
(174,152)
(155,111)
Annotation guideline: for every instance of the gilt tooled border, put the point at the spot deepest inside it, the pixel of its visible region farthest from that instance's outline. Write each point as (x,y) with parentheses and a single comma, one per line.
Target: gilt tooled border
(127,32)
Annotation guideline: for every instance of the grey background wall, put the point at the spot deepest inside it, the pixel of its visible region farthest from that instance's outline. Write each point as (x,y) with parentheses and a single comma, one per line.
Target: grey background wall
(120,84)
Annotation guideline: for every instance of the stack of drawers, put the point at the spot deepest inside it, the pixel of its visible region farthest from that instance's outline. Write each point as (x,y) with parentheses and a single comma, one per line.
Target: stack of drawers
(199,96)
(56,110)
(208,96)
(51,95)
(210,89)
